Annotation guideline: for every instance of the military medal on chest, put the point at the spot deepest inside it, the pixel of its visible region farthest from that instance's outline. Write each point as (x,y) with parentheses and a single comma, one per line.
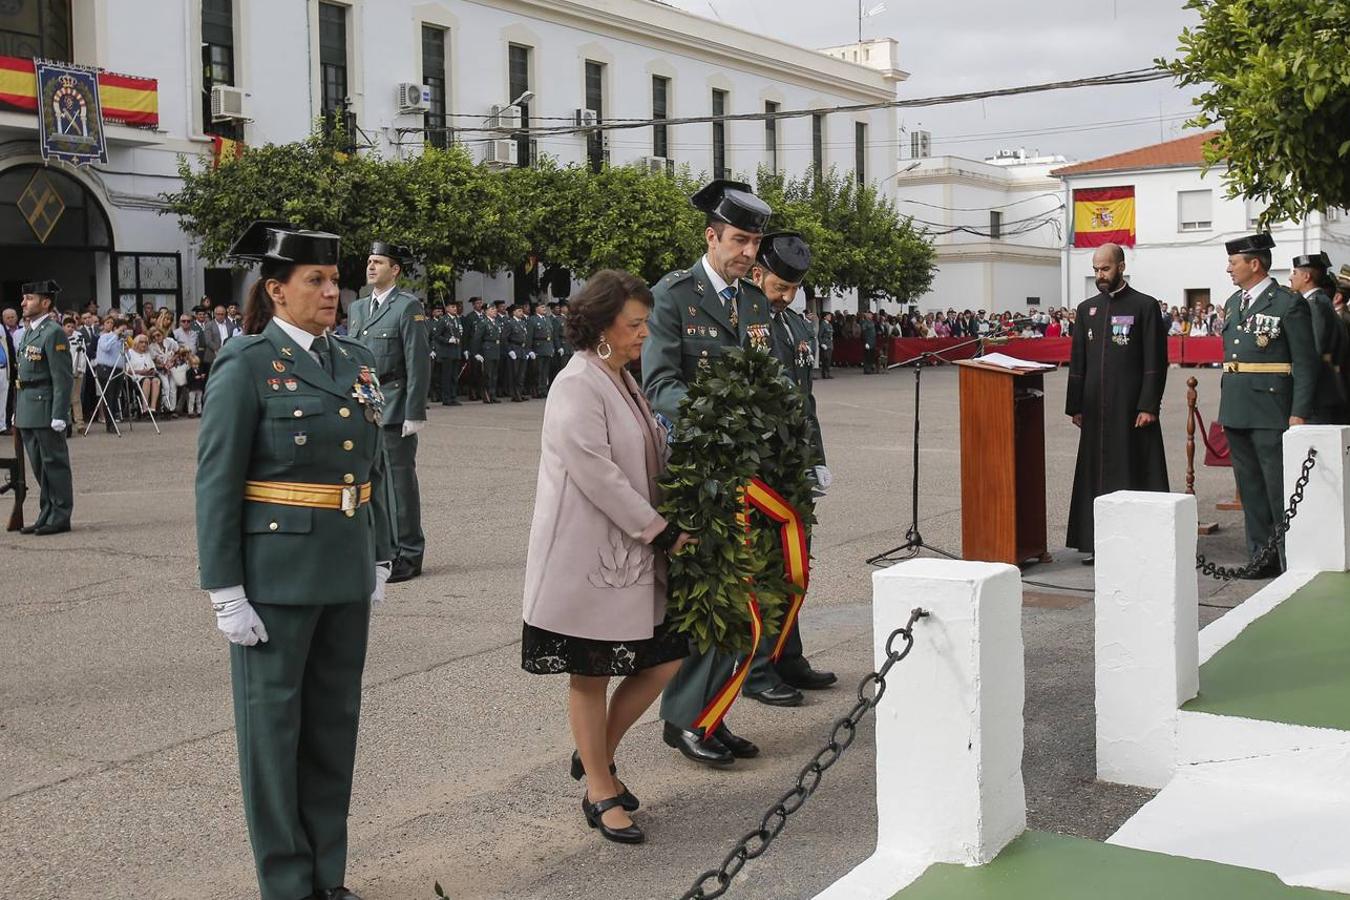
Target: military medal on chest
(1263,328)
(366,391)
(1120,330)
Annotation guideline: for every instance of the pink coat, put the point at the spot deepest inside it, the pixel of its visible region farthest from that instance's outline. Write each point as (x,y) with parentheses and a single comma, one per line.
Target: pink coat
(591,570)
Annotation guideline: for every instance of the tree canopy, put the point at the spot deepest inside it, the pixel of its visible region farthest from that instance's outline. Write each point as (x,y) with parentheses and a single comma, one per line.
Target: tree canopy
(1276,75)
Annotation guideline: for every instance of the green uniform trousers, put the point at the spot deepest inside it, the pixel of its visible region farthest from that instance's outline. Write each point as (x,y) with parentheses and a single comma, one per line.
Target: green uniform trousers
(297,704)
(49,459)
(411,543)
(700,676)
(1258,466)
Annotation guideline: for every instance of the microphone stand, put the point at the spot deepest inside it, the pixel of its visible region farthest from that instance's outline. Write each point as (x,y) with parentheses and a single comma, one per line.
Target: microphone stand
(914,542)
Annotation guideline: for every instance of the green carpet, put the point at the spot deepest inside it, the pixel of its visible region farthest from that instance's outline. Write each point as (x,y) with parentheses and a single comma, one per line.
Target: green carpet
(1291,665)
(1039,866)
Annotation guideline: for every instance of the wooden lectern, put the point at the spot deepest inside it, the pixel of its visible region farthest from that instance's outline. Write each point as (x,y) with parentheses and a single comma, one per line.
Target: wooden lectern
(1002,464)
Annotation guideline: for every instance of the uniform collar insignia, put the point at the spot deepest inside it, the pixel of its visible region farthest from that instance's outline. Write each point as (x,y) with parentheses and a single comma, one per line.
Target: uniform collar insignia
(693,311)
(698,287)
(286,352)
(278,366)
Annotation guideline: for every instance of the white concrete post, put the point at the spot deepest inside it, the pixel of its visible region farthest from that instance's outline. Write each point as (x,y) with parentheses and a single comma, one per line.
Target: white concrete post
(949,729)
(1318,538)
(1147,632)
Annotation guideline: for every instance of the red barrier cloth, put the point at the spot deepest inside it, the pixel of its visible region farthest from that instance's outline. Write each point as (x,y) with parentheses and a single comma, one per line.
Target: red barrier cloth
(1180,350)
(848,352)
(1201,350)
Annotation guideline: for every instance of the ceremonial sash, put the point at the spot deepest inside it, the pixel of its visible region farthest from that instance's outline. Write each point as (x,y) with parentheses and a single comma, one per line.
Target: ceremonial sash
(797,568)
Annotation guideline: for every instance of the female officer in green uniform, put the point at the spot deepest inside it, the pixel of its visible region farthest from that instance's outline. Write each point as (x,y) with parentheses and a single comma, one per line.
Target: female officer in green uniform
(294,537)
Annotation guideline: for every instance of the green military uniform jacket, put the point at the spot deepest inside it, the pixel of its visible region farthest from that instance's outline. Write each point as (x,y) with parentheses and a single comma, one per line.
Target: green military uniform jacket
(542,338)
(273,414)
(447,338)
(869,333)
(793,351)
(689,326)
(487,339)
(1277,329)
(45,374)
(397,335)
(1332,344)
(517,332)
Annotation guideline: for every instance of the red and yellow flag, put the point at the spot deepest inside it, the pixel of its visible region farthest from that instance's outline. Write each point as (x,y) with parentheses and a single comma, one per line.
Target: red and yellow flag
(126,99)
(1103,216)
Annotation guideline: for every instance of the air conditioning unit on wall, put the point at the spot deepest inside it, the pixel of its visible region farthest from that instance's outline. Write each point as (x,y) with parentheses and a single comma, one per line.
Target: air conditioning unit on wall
(501,153)
(586,118)
(504,117)
(413,98)
(657,165)
(227,104)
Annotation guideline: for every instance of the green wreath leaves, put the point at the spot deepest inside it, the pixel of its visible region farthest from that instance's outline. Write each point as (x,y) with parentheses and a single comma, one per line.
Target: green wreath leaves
(743,418)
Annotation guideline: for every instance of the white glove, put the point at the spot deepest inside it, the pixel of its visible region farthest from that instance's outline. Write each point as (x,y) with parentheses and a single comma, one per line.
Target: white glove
(478,356)
(382,570)
(58,425)
(433,354)
(411,427)
(466,355)
(823,476)
(867,346)
(511,353)
(236,618)
(530,355)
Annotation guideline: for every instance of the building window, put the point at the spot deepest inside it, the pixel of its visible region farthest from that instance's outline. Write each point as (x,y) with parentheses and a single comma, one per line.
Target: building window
(333,56)
(433,76)
(595,102)
(148,277)
(1255,209)
(995,224)
(518,74)
(860,150)
(719,135)
(34,29)
(218,63)
(771,135)
(818,144)
(660,111)
(1194,210)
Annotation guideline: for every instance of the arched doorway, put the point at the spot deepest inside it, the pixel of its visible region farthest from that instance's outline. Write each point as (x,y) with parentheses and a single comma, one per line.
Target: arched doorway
(52,226)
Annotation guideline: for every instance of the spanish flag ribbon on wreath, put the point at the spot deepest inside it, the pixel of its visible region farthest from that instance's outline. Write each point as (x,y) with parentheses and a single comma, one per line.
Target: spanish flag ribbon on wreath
(1103,216)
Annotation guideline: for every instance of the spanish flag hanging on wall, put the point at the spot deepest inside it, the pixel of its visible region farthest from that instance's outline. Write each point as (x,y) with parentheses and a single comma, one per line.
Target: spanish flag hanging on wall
(1103,216)
(126,99)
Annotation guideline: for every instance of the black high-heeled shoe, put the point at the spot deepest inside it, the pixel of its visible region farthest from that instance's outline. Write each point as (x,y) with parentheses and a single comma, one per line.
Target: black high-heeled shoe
(630,835)
(630,802)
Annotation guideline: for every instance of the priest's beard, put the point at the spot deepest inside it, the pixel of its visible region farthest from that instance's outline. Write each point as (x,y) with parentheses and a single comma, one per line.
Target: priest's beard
(1107,287)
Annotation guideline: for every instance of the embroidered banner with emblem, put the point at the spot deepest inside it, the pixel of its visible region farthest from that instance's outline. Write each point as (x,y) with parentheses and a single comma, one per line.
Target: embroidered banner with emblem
(70,115)
(797,568)
(126,99)
(1103,216)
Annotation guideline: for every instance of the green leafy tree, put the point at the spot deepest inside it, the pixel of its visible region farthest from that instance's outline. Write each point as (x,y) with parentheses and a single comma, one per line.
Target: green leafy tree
(1276,75)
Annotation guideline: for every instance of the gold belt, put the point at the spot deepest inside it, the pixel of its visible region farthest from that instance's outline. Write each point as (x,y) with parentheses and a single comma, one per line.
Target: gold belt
(1259,368)
(346,497)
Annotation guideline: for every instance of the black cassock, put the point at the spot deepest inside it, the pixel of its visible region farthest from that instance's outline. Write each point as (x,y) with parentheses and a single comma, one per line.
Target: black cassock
(1118,369)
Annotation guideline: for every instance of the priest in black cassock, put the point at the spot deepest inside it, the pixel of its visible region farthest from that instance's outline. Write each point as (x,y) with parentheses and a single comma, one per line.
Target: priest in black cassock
(1117,373)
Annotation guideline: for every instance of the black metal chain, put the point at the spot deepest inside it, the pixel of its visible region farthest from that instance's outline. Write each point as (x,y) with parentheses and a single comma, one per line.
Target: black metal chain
(1272,547)
(715,882)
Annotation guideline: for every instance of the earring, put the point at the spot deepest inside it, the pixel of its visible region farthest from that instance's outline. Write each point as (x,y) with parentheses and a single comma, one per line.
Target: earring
(603,349)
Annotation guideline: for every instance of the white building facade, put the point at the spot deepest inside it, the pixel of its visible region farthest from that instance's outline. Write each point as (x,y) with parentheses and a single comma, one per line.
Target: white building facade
(997,228)
(1182,220)
(280,66)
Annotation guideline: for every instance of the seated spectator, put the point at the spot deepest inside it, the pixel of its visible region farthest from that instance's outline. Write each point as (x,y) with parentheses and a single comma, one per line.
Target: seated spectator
(164,350)
(144,374)
(1054,329)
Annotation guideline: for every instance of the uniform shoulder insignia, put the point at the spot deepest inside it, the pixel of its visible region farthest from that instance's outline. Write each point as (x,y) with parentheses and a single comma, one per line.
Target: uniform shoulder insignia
(418,317)
(675,277)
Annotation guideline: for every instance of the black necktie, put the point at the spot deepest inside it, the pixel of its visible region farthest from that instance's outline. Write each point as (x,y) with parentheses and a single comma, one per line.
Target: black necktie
(320,347)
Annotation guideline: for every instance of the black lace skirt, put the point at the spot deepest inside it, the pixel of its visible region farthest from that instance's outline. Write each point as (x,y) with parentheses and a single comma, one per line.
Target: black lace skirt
(546,652)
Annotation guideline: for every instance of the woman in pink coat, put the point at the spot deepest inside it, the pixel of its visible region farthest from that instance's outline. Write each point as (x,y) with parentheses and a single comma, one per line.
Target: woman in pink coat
(595,577)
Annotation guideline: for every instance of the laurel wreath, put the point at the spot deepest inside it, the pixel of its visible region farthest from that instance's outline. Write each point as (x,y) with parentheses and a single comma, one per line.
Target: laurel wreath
(743,418)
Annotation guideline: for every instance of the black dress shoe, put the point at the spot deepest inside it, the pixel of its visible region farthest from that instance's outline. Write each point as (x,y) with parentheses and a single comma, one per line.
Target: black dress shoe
(51,529)
(404,570)
(1089,560)
(778,695)
(454,403)
(629,835)
(1270,570)
(709,751)
(28,529)
(337,893)
(800,675)
(626,797)
(739,746)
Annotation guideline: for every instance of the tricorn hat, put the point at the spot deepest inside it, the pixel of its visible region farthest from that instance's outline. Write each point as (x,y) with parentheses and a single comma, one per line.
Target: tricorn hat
(1252,243)
(274,241)
(785,254)
(733,202)
(1313,261)
(47,288)
(1343,276)
(397,252)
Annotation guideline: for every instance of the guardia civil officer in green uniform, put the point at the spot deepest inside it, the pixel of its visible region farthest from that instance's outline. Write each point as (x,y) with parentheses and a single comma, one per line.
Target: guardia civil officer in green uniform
(868,326)
(562,347)
(471,318)
(517,352)
(700,313)
(542,338)
(784,258)
(294,541)
(45,373)
(447,342)
(391,324)
(1270,368)
(486,348)
(1306,277)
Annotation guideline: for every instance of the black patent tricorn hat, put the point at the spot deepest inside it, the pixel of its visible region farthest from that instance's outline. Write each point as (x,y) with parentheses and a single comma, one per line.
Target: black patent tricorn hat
(785,254)
(732,202)
(1252,243)
(275,241)
(45,288)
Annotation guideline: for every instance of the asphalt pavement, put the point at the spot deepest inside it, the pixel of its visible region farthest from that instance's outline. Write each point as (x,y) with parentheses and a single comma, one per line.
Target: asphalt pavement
(118,772)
